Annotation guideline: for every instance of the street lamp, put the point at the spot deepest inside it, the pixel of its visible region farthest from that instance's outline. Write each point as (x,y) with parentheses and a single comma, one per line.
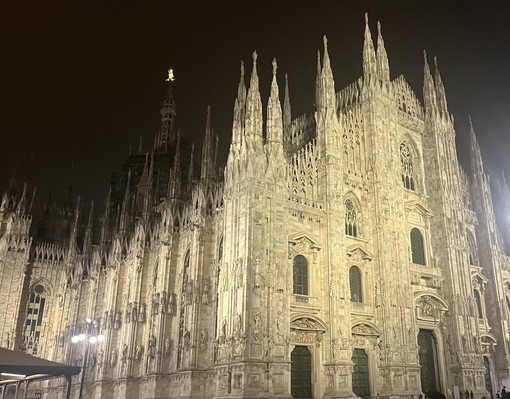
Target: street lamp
(87,336)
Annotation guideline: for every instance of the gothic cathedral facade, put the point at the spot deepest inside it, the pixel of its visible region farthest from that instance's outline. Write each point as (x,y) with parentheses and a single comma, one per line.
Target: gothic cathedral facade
(343,253)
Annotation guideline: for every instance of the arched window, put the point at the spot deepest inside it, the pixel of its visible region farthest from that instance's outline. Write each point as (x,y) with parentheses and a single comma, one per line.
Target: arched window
(407,166)
(220,252)
(355,284)
(351,226)
(478,301)
(300,275)
(417,248)
(34,319)
(472,249)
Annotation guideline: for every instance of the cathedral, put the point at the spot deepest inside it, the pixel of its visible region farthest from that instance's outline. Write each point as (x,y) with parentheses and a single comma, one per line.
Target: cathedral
(340,253)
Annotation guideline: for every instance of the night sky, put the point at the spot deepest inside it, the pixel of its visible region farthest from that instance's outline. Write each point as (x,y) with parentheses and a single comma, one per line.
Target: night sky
(79,84)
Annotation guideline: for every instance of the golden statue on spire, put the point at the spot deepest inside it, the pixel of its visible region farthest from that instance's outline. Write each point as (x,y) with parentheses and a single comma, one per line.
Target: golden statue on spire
(171,76)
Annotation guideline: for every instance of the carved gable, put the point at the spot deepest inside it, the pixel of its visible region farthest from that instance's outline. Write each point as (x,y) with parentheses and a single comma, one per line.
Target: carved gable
(358,254)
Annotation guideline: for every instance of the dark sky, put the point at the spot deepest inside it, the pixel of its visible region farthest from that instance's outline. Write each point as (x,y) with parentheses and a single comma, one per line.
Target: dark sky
(81,81)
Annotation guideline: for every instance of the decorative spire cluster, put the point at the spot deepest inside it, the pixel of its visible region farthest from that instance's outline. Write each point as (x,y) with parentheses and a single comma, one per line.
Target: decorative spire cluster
(434,93)
(375,63)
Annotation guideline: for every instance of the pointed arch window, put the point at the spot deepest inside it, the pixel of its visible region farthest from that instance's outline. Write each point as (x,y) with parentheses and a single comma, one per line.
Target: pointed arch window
(472,250)
(351,224)
(34,319)
(355,284)
(478,301)
(417,247)
(407,166)
(300,275)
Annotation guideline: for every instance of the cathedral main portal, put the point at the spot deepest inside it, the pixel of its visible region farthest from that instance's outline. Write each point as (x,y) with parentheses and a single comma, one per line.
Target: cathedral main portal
(428,362)
(301,373)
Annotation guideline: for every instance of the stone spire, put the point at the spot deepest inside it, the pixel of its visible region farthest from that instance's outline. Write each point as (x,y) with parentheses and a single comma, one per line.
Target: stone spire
(429,93)
(74,228)
(168,113)
(21,206)
(369,58)
(190,168)
(239,113)
(287,114)
(475,154)
(174,181)
(106,216)
(327,98)
(318,81)
(504,190)
(253,121)
(274,112)
(440,91)
(383,67)
(87,240)
(124,212)
(208,150)
(148,192)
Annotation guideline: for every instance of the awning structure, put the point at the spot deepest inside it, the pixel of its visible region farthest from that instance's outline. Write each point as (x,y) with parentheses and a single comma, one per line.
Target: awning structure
(17,368)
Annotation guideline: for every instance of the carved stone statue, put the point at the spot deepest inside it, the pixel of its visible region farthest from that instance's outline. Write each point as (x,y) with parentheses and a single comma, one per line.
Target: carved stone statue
(138,352)
(237,323)
(188,292)
(203,340)
(123,357)
(167,346)
(113,358)
(171,303)
(205,293)
(155,304)
(118,320)
(134,312)
(151,350)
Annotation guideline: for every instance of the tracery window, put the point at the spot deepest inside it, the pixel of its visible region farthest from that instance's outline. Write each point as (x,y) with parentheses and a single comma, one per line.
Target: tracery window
(478,301)
(407,166)
(351,225)
(300,275)
(33,323)
(355,284)
(417,248)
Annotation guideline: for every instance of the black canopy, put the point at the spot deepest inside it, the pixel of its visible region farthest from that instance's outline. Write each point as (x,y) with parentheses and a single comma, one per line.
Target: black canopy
(30,368)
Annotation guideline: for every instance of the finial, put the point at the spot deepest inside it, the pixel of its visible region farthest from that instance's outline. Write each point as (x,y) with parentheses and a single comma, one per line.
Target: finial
(435,62)
(171,76)
(366,18)
(325,40)
(379,28)
(425,55)
(275,66)
(208,110)
(470,122)
(254,55)
(242,68)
